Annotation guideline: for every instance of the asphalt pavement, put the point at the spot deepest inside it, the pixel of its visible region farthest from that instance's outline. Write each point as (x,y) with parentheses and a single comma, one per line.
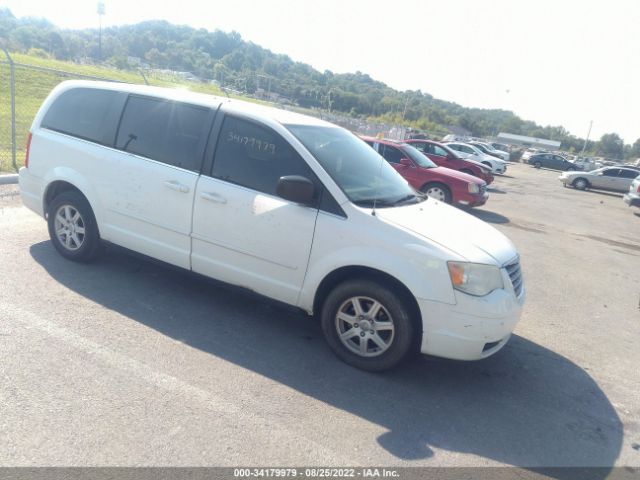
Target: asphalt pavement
(130,362)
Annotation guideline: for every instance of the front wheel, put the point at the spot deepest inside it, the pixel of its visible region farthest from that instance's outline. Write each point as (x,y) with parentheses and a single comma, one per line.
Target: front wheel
(367,325)
(72,227)
(537,165)
(580,183)
(438,191)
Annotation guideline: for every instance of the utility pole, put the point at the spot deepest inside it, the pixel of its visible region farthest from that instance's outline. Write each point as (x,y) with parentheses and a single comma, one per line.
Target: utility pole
(101,12)
(404,111)
(586,139)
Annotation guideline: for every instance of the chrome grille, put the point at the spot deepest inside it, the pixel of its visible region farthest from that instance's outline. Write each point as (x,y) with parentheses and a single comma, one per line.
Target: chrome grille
(515,274)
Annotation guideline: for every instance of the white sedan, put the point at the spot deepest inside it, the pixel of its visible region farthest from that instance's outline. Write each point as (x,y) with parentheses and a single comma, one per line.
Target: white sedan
(473,153)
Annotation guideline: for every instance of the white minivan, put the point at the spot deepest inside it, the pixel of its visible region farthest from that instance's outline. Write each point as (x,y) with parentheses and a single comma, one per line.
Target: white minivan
(291,207)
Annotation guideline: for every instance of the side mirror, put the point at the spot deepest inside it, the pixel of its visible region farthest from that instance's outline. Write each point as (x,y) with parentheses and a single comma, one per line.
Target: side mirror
(406,162)
(295,189)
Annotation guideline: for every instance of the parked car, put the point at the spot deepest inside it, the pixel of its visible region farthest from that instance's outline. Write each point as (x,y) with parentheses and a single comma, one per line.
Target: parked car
(607,178)
(288,206)
(532,151)
(443,156)
(632,198)
(444,184)
(470,152)
(489,150)
(500,146)
(550,160)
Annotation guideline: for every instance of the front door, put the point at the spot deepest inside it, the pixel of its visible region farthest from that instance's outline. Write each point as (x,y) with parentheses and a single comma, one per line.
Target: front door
(243,233)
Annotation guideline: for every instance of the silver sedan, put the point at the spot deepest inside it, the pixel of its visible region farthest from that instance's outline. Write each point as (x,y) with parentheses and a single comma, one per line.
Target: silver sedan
(608,178)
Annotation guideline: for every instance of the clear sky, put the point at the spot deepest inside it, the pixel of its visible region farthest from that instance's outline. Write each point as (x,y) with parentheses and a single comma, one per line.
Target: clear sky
(558,62)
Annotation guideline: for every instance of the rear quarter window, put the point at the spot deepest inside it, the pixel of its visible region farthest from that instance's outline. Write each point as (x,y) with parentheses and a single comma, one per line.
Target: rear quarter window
(87,113)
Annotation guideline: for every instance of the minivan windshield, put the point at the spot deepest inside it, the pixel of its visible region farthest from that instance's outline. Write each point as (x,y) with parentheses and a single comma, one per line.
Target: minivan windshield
(363,175)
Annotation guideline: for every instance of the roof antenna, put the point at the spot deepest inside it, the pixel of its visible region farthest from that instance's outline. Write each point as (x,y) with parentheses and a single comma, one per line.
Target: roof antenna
(375,193)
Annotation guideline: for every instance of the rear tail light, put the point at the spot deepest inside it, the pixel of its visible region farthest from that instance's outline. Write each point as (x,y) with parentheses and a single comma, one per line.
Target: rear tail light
(26,156)
(638,189)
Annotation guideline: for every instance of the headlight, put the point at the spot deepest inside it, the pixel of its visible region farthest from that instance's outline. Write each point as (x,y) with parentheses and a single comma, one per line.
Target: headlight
(473,188)
(475,278)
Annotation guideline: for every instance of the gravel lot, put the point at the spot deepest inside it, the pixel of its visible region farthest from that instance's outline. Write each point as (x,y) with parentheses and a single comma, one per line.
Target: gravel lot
(129,362)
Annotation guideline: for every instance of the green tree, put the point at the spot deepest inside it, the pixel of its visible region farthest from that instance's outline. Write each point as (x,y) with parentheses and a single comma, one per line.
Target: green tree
(611,146)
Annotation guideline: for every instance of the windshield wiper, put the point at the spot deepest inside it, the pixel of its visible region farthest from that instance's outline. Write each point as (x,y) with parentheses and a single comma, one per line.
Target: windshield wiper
(370,202)
(411,196)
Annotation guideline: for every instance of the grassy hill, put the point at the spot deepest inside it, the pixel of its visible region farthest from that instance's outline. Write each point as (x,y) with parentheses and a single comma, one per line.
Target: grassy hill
(33,85)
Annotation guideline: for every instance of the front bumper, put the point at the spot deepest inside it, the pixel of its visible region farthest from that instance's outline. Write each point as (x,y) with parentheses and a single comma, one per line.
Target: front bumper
(473,200)
(474,328)
(632,200)
(500,169)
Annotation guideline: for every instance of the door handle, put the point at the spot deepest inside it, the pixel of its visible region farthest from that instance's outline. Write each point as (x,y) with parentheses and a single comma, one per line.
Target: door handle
(213,197)
(178,187)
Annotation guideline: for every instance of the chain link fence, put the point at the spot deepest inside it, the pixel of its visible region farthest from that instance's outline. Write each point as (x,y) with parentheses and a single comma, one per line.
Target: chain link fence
(23,88)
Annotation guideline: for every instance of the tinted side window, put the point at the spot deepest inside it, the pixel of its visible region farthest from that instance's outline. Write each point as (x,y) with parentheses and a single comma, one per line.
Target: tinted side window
(421,147)
(86,113)
(392,154)
(612,172)
(255,157)
(628,173)
(439,151)
(466,149)
(170,132)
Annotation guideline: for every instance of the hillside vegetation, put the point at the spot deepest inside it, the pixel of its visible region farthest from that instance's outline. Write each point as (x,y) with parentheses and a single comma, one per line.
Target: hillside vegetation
(247,67)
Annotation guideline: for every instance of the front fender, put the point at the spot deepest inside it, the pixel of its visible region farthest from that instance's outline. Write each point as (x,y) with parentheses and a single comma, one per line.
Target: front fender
(425,277)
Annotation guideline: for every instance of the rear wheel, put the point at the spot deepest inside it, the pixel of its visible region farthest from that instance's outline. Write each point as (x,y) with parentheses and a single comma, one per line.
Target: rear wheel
(438,191)
(368,325)
(72,227)
(580,183)
(537,164)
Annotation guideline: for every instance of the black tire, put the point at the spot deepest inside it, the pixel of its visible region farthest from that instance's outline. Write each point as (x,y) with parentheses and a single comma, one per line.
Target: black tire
(399,342)
(76,246)
(580,183)
(445,194)
(537,164)
(467,171)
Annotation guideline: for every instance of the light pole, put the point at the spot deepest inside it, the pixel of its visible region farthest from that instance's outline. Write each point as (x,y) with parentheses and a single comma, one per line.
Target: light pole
(101,12)
(404,110)
(586,139)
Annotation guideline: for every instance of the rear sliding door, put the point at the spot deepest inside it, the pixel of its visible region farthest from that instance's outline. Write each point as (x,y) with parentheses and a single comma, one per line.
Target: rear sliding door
(152,175)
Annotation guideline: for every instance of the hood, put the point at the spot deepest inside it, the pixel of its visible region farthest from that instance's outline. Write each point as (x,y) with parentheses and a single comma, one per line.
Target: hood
(471,238)
(499,161)
(450,173)
(478,164)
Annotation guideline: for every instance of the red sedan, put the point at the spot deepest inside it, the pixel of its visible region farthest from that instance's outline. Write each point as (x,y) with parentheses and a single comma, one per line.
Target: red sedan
(443,156)
(441,183)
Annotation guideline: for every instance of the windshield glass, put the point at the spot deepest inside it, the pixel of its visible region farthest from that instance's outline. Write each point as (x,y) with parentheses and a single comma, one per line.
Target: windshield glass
(417,156)
(362,174)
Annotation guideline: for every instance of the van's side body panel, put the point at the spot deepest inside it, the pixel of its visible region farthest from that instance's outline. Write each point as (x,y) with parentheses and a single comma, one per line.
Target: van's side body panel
(192,218)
